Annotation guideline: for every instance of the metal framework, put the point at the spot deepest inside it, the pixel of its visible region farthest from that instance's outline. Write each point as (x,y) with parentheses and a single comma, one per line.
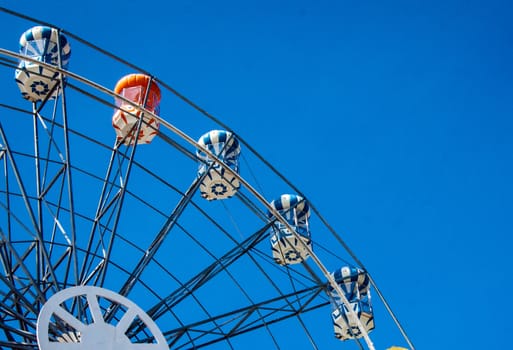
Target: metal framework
(78,211)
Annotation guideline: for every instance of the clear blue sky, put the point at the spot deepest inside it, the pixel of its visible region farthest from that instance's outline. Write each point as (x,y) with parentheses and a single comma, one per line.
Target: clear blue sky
(395,118)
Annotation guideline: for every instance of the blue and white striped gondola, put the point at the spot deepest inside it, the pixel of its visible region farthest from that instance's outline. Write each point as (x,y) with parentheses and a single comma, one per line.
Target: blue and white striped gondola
(286,247)
(42,44)
(355,285)
(217,183)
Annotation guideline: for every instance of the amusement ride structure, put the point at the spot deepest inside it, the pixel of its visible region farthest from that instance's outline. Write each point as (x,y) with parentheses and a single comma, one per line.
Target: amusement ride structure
(121,230)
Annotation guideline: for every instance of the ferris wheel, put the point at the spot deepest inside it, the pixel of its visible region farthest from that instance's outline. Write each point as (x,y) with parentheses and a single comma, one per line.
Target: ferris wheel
(121,230)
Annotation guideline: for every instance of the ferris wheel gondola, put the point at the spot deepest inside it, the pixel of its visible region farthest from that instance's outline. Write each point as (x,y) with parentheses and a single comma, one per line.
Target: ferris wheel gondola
(131,125)
(355,284)
(287,247)
(217,182)
(42,44)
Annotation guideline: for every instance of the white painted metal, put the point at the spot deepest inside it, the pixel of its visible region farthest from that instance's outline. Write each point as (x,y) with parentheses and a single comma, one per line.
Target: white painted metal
(98,335)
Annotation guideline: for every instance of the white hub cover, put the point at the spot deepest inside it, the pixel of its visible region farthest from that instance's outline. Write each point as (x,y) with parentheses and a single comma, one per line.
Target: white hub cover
(97,334)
